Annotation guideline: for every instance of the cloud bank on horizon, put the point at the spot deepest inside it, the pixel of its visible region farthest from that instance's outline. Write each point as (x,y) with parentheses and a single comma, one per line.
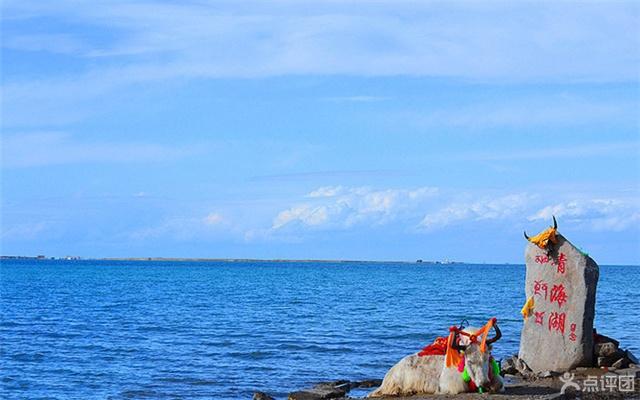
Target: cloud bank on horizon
(372,130)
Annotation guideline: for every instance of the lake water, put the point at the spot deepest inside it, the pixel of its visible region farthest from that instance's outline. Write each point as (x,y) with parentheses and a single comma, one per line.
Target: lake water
(121,330)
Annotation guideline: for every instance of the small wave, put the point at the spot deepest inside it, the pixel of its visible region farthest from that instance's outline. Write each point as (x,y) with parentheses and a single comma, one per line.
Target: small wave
(188,381)
(314,348)
(141,394)
(253,355)
(411,336)
(9,324)
(60,335)
(28,357)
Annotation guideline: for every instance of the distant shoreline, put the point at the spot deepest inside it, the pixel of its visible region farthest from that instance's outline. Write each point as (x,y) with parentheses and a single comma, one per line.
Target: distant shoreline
(231,260)
(281,260)
(274,260)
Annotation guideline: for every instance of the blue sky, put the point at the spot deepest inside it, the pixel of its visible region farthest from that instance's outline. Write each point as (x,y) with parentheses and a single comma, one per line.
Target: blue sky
(294,129)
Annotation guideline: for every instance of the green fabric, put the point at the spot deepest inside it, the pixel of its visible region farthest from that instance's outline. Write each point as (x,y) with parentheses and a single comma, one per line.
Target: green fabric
(496,367)
(465,375)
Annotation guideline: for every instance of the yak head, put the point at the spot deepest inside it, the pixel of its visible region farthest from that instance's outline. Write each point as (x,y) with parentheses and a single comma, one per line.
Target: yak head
(477,357)
(545,239)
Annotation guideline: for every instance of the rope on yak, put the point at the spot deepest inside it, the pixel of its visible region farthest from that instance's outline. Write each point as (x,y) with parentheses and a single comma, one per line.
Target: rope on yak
(482,332)
(446,346)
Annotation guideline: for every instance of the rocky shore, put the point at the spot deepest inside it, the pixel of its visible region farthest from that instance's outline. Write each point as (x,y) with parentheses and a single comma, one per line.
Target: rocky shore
(609,383)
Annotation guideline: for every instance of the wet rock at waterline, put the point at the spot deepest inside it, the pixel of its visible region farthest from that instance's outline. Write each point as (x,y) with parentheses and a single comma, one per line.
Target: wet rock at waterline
(262,396)
(332,390)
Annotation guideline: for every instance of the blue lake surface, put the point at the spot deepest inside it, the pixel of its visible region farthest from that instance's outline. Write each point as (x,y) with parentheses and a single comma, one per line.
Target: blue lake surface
(122,330)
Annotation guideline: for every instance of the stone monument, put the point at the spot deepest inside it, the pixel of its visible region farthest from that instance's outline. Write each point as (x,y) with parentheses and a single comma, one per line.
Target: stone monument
(561,294)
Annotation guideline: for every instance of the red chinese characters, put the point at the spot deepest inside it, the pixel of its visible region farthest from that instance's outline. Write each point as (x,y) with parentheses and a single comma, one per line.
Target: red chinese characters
(553,295)
(542,259)
(558,295)
(539,287)
(560,263)
(572,335)
(556,322)
(562,260)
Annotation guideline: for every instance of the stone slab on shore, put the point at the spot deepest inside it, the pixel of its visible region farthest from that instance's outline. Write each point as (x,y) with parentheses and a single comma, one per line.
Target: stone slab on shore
(562,283)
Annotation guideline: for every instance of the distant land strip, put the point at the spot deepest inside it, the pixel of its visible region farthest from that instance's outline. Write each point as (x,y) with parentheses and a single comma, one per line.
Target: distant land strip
(187,259)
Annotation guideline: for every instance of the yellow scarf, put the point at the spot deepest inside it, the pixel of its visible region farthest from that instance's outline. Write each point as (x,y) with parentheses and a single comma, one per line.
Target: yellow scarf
(542,239)
(527,309)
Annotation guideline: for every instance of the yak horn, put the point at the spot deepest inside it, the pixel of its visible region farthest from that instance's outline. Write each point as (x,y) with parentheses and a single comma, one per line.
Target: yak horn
(555,223)
(525,235)
(456,343)
(496,337)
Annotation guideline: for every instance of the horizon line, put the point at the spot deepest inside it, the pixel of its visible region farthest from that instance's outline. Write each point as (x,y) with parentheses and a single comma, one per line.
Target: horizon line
(275,260)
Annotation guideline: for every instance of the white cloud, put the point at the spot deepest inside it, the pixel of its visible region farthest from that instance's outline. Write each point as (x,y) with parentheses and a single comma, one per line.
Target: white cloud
(126,43)
(213,219)
(595,214)
(52,148)
(484,209)
(326,191)
(461,39)
(421,211)
(341,207)
(307,214)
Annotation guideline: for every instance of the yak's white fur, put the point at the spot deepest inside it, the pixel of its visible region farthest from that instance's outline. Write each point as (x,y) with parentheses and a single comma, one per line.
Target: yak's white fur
(429,374)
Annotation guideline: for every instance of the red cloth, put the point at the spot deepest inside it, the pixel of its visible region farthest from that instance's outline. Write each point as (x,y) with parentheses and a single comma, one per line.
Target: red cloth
(437,348)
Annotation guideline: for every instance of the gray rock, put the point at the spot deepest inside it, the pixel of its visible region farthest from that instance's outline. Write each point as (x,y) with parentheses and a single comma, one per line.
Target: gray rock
(333,384)
(508,365)
(523,368)
(261,396)
(322,391)
(621,363)
(609,360)
(311,394)
(605,349)
(632,359)
(547,374)
(369,383)
(304,395)
(606,339)
(629,371)
(512,378)
(560,336)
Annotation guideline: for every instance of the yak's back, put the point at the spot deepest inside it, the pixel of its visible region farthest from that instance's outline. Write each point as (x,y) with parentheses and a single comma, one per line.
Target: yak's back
(413,374)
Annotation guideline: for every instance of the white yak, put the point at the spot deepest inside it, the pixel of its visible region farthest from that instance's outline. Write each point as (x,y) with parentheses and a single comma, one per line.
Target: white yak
(429,374)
